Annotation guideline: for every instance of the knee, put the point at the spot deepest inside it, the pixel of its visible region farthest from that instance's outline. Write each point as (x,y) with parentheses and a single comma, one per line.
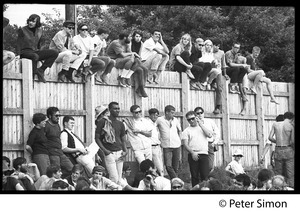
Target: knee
(54,53)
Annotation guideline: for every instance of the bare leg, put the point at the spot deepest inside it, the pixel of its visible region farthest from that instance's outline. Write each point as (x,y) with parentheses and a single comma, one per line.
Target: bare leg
(270,89)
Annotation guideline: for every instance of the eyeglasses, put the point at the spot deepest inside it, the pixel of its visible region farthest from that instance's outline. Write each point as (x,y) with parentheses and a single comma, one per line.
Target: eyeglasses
(70,28)
(84,29)
(137,112)
(191,119)
(236,47)
(176,187)
(201,112)
(200,44)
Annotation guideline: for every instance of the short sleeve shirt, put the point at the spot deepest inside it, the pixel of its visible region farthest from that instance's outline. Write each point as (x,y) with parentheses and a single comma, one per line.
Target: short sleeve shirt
(52,132)
(177,50)
(98,44)
(168,130)
(115,49)
(37,140)
(196,139)
(230,57)
(86,44)
(148,47)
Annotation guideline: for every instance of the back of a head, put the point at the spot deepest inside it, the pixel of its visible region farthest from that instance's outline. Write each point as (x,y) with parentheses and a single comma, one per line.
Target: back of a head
(279,118)
(18,161)
(278,182)
(82,183)
(215,185)
(263,176)
(288,115)
(60,184)
(145,165)
(244,178)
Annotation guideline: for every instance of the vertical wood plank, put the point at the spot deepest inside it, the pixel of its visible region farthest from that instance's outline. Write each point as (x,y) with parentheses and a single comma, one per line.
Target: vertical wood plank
(260,118)
(28,101)
(89,102)
(291,89)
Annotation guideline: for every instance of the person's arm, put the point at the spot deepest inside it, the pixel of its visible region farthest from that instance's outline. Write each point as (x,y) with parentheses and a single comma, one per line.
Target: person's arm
(20,41)
(124,148)
(208,133)
(180,60)
(216,133)
(188,148)
(271,135)
(165,48)
(265,150)
(30,141)
(293,138)
(36,173)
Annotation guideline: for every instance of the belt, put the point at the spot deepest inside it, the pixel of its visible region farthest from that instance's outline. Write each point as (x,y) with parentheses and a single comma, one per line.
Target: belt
(155,144)
(284,146)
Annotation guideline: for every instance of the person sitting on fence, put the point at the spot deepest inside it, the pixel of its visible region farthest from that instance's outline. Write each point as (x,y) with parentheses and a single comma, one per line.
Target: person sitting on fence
(10,183)
(75,148)
(256,74)
(29,46)
(152,181)
(84,42)
(8,56)
(180,58)
(100,46)
(22,172)
(140,71)
(217,72)
(100,182)
(77,171)
(52,132)
(120,51)
(63,42)
(37,143)
(155,55)
(139,133)
(155,141)
(235,168)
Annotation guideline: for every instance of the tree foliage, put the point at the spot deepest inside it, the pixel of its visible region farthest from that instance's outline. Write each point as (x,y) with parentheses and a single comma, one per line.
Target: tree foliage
(271,28)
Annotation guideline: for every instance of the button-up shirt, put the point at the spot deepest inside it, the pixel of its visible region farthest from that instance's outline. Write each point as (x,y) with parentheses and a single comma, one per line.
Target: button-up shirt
(169,132)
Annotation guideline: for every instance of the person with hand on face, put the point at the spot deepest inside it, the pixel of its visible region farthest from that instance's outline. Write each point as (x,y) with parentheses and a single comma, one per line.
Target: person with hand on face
(112,141)
(195,140)
(155,55)
(10,183)
(152,180)
(29,46)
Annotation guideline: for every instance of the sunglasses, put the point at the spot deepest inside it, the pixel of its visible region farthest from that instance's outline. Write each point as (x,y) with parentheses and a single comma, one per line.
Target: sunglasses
(116,108)
(71,28)
(137,112)
(84,29)
(200,44)
(57,115)
(176,187)
(191,119)
(200,113)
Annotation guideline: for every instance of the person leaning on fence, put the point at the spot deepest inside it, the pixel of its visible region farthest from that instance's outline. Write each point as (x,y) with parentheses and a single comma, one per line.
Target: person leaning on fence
(139,132)
(37,143)
(194,139)
(52,132)
(284,155)
(8,56)
(100,46)
(112,141)
(120,51)
(29,46)
(75,148)
(155,55)
(236,72)
(84,42)
(170,135)
(70,57)
(256,74)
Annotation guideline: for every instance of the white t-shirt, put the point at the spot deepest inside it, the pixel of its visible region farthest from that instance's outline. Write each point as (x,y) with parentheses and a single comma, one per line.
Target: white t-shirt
(161,184)
(86,44)
(98,44)
(196,139)
(148,47)
(235,167)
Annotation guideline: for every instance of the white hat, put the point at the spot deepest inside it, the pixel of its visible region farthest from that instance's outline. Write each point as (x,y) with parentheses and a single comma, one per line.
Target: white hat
(208,42)
(99,109)
(238,152)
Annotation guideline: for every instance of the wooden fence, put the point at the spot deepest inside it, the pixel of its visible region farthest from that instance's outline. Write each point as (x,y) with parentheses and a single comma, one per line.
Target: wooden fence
(22,97)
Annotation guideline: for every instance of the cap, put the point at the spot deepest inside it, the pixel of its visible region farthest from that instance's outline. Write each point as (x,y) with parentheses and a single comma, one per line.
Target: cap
(238,152)
(100,109)
(68,23)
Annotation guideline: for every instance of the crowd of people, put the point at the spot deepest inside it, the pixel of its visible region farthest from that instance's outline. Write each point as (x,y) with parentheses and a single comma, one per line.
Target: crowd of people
(61,160)
(88,54)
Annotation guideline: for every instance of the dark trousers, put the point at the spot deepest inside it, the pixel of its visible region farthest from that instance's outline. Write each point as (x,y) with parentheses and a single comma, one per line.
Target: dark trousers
(199,169)
(219,90)
(171,159)
(236,74)
(204,69)
(48,55)
(140,73)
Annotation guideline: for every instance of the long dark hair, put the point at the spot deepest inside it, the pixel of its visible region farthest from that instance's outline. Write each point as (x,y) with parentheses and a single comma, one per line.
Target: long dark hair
(136,46)
(38,20)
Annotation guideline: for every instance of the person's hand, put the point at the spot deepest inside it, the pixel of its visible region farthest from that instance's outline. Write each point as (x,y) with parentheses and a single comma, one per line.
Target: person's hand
(189,66)
(195,156)
(136,131)
(123,155)
(160,38)
(82,150)
(226,77)
(31,165)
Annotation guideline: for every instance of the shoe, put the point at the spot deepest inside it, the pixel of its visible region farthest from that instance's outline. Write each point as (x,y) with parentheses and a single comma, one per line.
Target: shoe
(143,92)
(194,85)
(149,81)
(214,86)
(217,111)
(208,87)
(122,82)
(98,80)
(189,73)
(232,89)
(40,74)
(244,99)
(69,75)
(60,75)
(127,82)
(242,112)
(79,72)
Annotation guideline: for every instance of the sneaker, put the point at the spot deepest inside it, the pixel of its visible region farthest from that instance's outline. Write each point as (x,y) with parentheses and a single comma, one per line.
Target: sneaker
(189,73)
(194,85)
(214,85)
(232,89)
(208,87)
(122,82)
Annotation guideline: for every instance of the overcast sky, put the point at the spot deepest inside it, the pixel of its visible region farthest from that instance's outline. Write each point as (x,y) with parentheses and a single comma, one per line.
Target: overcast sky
(19,13)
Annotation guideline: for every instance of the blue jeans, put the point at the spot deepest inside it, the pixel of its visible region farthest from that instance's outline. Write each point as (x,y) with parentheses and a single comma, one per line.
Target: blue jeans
(42,161)
(211,157)
(199,169)
(284,157)
(171,158)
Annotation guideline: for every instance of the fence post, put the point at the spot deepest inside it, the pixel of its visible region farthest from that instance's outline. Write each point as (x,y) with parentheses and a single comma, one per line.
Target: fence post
(291,89)
(260,118)
(28,101)
(89,102)
(226,122)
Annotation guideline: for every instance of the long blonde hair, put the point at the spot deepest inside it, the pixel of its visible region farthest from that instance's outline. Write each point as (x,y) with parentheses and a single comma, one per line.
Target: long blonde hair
(187,47)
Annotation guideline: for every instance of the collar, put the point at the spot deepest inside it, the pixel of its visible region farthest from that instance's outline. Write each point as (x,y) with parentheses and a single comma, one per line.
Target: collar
(69,131)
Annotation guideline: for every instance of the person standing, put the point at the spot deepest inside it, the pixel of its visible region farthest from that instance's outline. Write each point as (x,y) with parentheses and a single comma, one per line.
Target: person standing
(170,134)
(29,46)
(63,42)
(285,147)
(52,132)
(155,55)
(212,141)
(194,139)
(112,140)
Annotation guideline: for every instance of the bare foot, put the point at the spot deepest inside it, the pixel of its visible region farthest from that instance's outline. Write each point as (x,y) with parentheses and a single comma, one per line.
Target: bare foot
(274,101)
